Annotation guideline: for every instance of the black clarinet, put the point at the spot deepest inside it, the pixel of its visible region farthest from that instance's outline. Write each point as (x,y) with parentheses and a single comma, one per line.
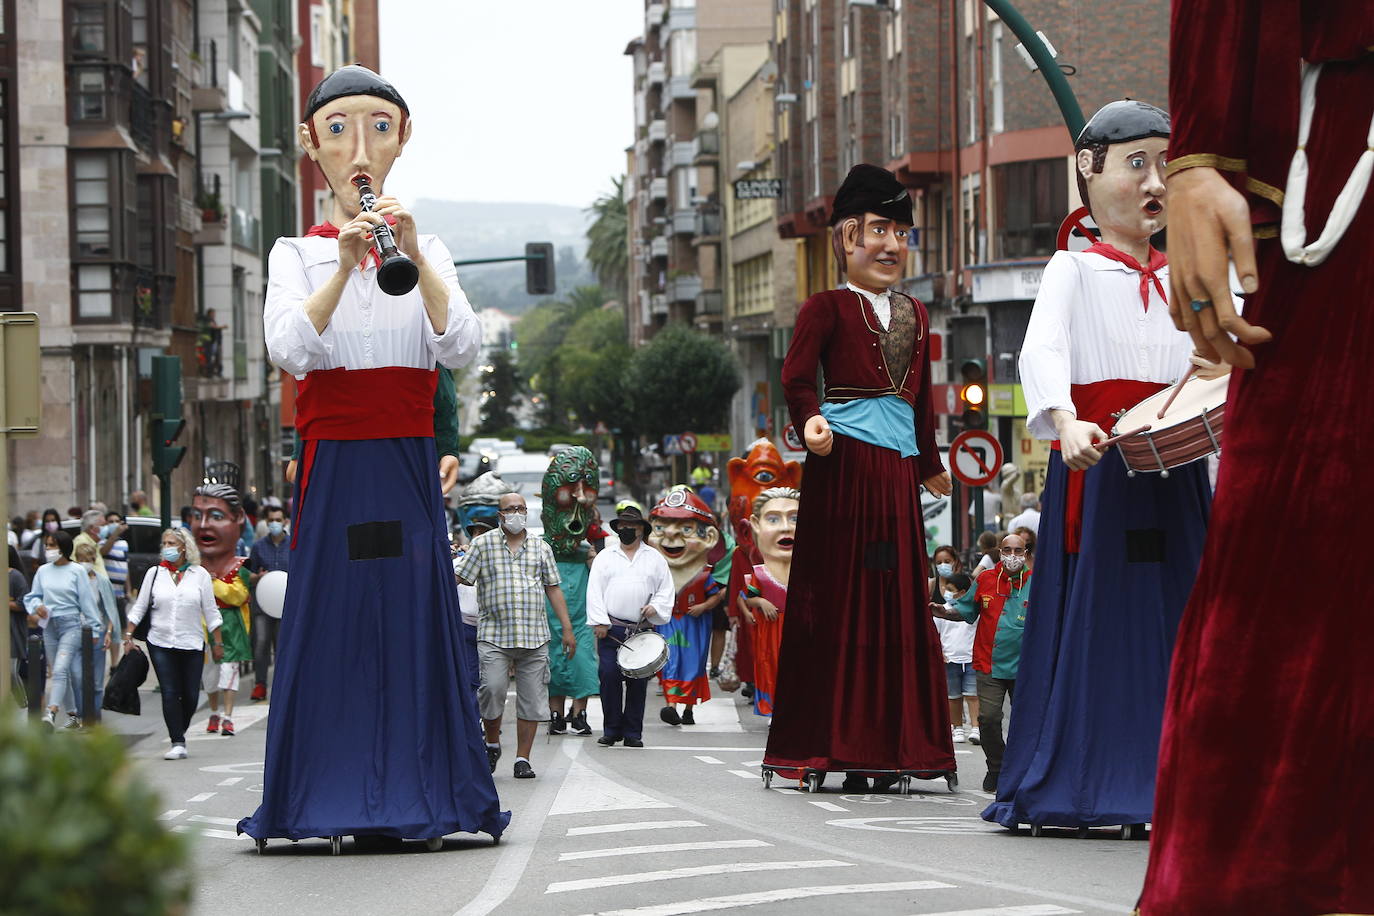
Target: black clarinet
(397,274)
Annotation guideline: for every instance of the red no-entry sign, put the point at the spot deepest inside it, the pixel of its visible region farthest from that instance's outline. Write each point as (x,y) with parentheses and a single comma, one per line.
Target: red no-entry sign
(975,456)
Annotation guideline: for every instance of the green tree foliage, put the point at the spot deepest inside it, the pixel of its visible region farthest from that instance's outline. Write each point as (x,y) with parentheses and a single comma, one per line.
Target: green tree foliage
(541,334)
(503,384)
(79,831)
(608,241)
(593,358)
(681,380)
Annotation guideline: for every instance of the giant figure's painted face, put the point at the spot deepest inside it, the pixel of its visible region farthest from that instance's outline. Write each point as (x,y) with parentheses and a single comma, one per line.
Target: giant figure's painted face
(351,136)
(775,528)
(749,476)
(875,250)
(569,493)
(684,542)
(216,528)
(1128,194)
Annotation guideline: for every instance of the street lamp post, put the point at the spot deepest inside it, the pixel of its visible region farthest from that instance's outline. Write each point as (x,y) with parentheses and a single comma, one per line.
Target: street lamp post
(1059,85)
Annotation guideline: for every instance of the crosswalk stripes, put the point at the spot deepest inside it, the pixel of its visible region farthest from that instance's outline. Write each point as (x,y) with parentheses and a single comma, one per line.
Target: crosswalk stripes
(694,871)
(661,848)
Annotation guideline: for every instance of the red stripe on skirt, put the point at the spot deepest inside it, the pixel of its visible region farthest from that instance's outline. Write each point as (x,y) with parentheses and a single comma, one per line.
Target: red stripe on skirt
(1096,403)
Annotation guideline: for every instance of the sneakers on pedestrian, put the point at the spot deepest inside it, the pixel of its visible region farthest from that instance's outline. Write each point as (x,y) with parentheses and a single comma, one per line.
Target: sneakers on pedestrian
(213,725)
(176,752)
(49,719)
(669,714)
(607,741)
(715,674)
(958,734)
(523,770)
(579,724)
(226,727)
(259,692)
(990,782)
(974,737)
(634,742)
(73,721)
(557,724)
(493,755)
(688,718)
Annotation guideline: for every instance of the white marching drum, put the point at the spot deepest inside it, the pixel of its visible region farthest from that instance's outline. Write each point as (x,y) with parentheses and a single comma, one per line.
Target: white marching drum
(1189,430)
(642,655)
(271,593)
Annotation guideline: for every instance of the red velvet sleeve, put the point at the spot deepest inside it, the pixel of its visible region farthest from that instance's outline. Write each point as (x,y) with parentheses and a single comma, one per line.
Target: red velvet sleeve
(815,324)
(928,462)
(1213,53)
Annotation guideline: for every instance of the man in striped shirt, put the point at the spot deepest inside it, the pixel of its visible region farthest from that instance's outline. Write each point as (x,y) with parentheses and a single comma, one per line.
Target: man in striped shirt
(115,551)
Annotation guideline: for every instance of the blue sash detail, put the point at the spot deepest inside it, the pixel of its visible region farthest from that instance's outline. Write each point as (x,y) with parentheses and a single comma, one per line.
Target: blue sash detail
(887,422)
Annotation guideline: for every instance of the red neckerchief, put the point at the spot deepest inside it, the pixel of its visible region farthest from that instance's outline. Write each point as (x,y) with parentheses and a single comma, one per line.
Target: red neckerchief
(330,231)
(1148,275)
(176,571)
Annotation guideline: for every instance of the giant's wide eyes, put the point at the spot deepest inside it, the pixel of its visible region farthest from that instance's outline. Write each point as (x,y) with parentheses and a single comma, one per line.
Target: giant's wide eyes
(763,476)
(336,128)
(383,126)
(1137,162)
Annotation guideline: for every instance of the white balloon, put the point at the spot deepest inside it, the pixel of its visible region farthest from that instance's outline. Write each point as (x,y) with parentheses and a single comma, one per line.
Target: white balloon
(271,593)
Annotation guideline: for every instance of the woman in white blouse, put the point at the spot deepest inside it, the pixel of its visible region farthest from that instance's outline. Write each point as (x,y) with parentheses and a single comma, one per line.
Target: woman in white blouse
(180,596)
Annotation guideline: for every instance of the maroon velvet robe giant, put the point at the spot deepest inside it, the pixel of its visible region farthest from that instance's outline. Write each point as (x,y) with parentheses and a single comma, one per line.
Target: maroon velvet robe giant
(1265,796)
(861,682)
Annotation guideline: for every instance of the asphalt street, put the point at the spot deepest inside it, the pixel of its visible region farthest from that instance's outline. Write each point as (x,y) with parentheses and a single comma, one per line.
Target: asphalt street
(683,825)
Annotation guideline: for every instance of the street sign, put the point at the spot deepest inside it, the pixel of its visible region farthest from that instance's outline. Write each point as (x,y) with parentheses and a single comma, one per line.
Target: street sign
(672,445)
(758,188)
(714,442)
(1078,232)
(792,440)
(975,456)
(688,442)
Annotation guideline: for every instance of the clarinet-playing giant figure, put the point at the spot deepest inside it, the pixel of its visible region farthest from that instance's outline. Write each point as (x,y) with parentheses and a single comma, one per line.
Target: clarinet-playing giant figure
(370,734)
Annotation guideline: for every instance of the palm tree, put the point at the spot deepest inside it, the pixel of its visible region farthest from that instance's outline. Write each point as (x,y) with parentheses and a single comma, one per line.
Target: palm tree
(608,243)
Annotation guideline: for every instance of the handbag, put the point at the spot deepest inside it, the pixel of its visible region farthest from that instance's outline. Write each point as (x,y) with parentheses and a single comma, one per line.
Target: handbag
(121,691)
(141,629)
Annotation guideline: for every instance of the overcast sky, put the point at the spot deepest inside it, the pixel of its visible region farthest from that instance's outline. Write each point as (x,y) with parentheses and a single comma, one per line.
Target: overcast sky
(513,100)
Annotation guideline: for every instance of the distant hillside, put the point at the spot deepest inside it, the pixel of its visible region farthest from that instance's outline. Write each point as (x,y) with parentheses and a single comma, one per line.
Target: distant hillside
(492,230)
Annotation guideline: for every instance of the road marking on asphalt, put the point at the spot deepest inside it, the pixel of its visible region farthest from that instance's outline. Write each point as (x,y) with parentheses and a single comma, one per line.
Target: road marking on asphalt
(634,825)
(231,781)
(503,878)
(662,847)
(695,871)
(243,718)
(172,814)
(717,716)
(222,821)
(829,806)
(251,767)
(223,834)
(745,774)
(204,796)
(586,791)
(1034,909)
(706,904)
(705,759)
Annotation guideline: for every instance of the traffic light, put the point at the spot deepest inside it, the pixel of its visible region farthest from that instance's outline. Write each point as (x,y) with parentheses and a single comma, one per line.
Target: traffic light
(167,422)
(974,393)
(539,279)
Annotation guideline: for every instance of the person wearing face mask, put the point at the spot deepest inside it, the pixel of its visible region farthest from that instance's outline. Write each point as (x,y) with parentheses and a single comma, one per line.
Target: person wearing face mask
(269,553)
(180,595)
(997,604)
(84,555)
(61,601)
(92,529)
(115,551)
(630,588)
(944,562)
(514,573)
(51,524)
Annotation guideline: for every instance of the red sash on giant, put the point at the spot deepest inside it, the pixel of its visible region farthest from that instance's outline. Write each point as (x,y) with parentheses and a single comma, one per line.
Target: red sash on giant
(1096,403)
(394,402)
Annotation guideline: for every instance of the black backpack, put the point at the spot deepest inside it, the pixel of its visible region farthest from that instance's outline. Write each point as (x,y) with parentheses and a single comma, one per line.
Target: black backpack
(121,693)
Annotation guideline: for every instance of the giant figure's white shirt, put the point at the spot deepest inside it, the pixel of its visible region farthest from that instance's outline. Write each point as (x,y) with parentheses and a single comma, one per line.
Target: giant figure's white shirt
(369,329)
(1088,325)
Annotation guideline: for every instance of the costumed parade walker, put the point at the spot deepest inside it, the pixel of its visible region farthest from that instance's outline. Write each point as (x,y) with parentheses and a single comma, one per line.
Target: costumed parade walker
(861,678)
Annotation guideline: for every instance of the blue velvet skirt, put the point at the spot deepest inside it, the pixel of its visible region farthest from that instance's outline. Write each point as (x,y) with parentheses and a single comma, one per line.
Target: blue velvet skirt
(373,727)
(1100,627)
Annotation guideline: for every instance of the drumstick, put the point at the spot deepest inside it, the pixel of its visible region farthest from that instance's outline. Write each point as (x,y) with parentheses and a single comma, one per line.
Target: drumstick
(1177,388)
(1107,443)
